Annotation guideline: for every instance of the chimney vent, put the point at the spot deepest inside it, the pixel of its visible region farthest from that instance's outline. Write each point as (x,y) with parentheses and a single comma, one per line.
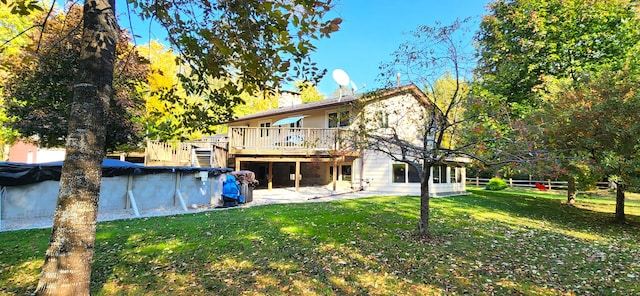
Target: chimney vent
(289,98)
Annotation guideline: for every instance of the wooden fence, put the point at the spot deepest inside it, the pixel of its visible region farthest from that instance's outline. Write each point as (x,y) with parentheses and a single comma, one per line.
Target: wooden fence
(549,184)
(176,153)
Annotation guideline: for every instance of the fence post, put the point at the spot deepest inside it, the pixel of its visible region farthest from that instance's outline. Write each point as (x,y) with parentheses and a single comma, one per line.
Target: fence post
(510,182)
(477,181)
(549,181)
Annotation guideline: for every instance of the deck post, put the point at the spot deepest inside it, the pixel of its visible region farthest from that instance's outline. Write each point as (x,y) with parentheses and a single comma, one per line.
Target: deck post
(147,152)
(297,175)
(270,177)
(335,174)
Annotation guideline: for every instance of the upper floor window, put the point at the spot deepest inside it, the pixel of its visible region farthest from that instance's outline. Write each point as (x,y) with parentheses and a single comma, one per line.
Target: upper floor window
(338,119)
(296,124)
(264,128)
(382,118)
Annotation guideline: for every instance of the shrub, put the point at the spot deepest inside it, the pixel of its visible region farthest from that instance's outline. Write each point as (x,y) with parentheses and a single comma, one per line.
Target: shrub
(497,184)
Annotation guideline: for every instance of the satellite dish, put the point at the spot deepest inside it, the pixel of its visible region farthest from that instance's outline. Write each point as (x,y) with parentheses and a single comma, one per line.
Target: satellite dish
(341,77)
(354,88)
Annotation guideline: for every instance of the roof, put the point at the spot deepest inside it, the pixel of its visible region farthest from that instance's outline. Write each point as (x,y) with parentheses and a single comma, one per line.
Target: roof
(340,101)
(303,107)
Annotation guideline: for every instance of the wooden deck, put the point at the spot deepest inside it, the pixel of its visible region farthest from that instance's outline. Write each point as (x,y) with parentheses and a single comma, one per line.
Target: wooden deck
(275,141)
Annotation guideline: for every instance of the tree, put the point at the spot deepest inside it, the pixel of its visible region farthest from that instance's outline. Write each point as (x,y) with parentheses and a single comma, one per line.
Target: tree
(39,93)
(68,260)
(592,123)
(308,92)
(435,59)
(166,102)
(248,44)
(12,39)
(522,41)
(524,44)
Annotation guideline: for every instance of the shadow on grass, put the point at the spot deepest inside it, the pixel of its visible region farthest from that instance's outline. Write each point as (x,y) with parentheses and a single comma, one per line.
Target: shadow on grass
(349,247)
(21,259)
(553,207)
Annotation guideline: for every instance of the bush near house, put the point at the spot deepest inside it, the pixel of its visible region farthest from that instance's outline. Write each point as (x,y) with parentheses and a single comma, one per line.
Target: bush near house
(497,184)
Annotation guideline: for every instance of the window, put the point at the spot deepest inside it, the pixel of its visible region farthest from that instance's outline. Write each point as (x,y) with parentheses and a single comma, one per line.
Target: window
(414,177)
(338,119)
(399,172)
(264,129)
(296,124)
(382,118)
(439,174)
(456,175)
(403,172)
(345,173)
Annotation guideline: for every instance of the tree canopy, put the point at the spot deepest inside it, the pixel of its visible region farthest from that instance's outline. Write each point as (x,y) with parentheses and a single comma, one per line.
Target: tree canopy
(522,41)
(588,127)
(546,69)
(38,93)
(523,44)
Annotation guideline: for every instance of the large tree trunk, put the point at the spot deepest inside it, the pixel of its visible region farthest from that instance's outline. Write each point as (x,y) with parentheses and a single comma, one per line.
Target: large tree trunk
(68,260)
(423,224)
(620,202)
(571,190)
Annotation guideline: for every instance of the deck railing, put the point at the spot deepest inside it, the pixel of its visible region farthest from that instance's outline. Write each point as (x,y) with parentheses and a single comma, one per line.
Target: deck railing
(275,139)
(178,153)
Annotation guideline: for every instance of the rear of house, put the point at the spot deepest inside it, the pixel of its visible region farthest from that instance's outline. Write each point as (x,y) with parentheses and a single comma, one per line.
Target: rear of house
(308,145)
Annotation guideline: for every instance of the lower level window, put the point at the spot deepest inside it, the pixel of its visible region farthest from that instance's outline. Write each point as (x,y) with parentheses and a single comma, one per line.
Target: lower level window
(344,173)
(456,175)
(439,174)
(399,172)
(405,173)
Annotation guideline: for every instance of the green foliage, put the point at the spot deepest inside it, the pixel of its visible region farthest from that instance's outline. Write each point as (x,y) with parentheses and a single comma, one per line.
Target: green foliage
(247,47)
(361,246)
(528,52)
(497,184)
(308,92)
(592,118)
(22,7)
(521,42)
(38,94)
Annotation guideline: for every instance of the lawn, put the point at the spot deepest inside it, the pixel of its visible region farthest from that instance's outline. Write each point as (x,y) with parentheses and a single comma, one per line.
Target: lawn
(508,242)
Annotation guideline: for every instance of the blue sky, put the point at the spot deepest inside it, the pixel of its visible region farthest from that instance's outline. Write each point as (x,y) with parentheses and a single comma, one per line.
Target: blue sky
(370,32)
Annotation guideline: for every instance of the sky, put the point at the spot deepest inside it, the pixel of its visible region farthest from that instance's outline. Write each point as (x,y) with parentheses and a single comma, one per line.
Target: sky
(370,32)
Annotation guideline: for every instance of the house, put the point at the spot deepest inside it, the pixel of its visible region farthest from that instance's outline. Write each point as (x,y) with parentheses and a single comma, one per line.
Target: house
(29,152)
(307,145)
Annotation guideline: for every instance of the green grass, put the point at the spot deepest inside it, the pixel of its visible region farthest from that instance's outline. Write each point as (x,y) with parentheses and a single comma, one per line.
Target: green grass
(506,242)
